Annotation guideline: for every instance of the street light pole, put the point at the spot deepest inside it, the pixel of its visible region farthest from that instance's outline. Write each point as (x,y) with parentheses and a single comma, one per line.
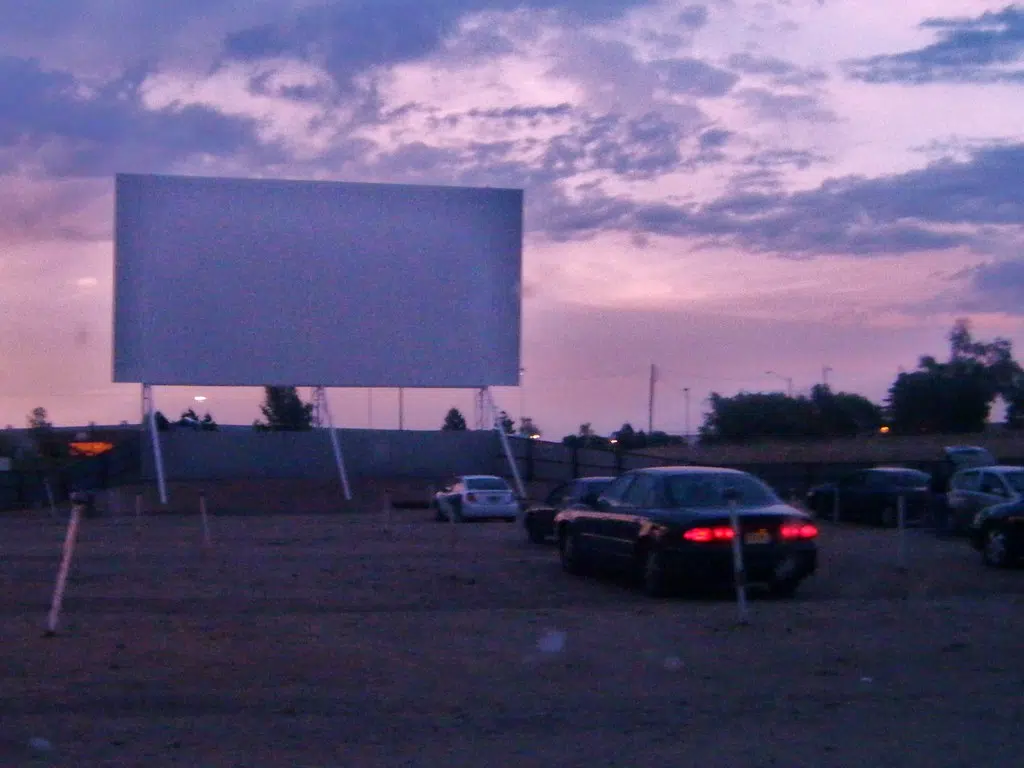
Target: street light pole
(787,379)
(686,423)
(824,375)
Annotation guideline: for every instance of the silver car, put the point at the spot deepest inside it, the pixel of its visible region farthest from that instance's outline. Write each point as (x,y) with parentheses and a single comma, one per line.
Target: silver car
(975,489)
(476,497)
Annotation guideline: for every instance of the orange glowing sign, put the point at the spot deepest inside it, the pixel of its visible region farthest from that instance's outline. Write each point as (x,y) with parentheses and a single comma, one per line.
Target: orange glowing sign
(90,448)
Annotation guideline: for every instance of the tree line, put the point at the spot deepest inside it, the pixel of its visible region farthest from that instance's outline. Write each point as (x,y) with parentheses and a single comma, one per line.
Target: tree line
(955,396)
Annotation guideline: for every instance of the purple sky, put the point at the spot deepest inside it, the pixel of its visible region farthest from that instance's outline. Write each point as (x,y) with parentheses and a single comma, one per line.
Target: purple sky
(722,188)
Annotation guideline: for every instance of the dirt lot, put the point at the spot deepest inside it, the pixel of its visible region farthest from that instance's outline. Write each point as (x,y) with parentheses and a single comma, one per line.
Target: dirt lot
(325,640)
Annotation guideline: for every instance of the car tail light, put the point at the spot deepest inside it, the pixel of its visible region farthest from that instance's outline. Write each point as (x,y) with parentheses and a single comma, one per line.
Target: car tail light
(702,535)
(470,497)
(797,531)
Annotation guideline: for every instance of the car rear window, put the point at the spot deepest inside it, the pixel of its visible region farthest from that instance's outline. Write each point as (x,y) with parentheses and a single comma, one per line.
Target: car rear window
(486,484)
(708,490)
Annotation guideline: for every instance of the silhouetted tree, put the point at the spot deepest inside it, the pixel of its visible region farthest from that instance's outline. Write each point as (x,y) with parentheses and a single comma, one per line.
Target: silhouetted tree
(628,439)
(528,429)
(189,418)
(38,420)
(842,414)
(284,410)
(585,438)
(757,414)
(162,422)
(454,421)
(506,423)
(208,424)
(957,396)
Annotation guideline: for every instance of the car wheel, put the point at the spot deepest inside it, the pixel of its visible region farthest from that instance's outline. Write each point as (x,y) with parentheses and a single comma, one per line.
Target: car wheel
(533,531)
(654,578)
(455,507)
(996,551)
(438,514)
(572,559)
(786,588)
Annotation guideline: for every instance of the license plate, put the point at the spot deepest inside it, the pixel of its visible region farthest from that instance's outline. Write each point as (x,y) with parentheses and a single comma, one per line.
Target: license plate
(494,499)
(757,537)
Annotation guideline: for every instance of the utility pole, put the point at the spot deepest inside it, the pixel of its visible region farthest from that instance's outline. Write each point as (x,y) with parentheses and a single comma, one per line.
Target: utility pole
(369,408)
(401,408)
(650,400)
(686,424)
(825,371)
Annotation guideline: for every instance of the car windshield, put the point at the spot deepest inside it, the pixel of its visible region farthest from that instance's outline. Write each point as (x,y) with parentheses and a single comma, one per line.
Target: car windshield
(596,486)
(486,484)
(1015,480)
(708,490)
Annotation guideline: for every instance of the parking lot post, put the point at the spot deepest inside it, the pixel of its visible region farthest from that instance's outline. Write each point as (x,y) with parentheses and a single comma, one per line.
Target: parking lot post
(739,571)
(901,530)
(80,503)
(207,540)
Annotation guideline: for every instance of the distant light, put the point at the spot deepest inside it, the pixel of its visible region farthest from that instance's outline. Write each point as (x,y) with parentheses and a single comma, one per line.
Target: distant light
(884,430)
(535,437)
(200,398)
(613,441)
(87,282)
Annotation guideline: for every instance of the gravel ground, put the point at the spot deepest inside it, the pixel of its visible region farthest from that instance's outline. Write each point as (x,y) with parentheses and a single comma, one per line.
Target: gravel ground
(361,641)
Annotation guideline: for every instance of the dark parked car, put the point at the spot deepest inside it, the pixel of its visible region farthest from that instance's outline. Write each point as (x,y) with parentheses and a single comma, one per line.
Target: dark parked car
(973,490)
(670,526)
(872,496)
(998,533)
(539,519)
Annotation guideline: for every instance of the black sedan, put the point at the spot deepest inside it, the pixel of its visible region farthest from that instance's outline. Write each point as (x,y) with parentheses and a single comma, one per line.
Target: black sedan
(998,533)
(872,496)
(671,526)
(539,519)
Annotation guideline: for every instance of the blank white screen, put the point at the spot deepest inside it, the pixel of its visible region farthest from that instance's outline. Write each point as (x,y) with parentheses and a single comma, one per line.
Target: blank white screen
(242,282)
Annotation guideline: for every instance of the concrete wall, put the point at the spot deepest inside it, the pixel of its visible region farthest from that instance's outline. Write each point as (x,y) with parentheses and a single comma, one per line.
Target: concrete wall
(191,455)
(238,453)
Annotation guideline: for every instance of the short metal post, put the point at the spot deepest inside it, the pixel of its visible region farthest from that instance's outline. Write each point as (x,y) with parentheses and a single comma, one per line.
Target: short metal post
(78,504)
(739,570)
(207,541)
(901,533)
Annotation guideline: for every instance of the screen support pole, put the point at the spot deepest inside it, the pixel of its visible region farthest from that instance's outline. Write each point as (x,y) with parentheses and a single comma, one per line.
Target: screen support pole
(158,457)
(487,404)
(321,397)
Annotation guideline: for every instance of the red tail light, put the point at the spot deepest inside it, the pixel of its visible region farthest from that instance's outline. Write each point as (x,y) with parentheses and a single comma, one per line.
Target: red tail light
(797,531)
(702,535)
(470,497)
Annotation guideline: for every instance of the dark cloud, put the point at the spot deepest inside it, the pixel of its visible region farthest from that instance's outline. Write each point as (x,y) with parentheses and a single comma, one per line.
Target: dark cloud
(773,105)
(994,287)
(780,71)
(693,16)
(352,37)
(629,148)
(783,158)
(938,207)
(694,77)
(76,131)
(641,147)
(715,138)
(987,48)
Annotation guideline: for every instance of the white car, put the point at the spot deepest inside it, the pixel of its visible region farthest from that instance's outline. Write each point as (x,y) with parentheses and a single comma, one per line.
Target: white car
(476,497)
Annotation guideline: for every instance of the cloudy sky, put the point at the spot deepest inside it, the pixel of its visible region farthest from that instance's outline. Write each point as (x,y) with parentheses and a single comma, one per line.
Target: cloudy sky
(722,188)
